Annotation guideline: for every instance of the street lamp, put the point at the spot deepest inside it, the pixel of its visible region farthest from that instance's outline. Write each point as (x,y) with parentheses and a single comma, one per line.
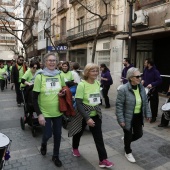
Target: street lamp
(131,2)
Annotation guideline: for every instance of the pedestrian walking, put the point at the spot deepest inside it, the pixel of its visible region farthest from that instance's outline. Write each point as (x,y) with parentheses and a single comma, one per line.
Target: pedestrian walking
(131,108)
(126,63)
(3,76)
(75,73)
(66,73)
(18,71)
(47,86)
(89,113)
(151,79)
(106,82)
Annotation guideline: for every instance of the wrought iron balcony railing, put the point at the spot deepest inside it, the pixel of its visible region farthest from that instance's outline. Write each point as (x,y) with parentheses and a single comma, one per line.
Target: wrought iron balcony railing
(61,38)
(61,5)
(90,28)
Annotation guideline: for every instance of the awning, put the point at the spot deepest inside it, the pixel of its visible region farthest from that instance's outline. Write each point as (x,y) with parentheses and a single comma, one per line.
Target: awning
(154,33)
(7,55)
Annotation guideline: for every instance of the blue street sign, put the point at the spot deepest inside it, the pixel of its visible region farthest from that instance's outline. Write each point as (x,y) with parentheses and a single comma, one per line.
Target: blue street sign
(58,48)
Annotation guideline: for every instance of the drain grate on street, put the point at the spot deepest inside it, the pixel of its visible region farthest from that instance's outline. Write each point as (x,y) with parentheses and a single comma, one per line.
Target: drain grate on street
(165,150)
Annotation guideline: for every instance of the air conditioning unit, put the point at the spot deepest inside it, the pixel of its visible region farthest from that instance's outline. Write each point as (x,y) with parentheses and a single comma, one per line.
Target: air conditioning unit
(140,18)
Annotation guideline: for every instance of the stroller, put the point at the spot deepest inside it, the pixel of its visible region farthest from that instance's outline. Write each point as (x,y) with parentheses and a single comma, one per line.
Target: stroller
(166,112)
(29,117)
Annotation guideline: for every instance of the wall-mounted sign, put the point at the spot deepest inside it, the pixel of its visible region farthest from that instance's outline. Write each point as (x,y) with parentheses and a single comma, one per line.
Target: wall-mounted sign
(58,48)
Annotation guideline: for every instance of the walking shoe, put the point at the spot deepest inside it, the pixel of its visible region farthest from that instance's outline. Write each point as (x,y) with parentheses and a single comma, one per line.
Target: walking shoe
(76,152)
(153,120)
(105,164)
(122,138)
(107,107)
(43,149)
(130,157)
(56,161)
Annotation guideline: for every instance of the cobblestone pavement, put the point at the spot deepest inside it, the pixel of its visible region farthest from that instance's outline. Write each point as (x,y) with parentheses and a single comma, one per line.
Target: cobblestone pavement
(152,151)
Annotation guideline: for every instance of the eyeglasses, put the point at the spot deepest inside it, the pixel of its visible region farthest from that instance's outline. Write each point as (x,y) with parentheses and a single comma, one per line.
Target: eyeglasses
(34,67)
(21,60)
(139,76)
(51,61)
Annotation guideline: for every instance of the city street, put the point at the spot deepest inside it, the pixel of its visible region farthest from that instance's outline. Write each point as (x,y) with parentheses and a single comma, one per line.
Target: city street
(152,151)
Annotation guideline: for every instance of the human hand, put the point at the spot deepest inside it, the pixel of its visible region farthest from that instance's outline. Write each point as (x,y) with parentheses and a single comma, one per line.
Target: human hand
(62,93)
(41,120)
(149,86)
(90,122)
(142,82)
(122,124)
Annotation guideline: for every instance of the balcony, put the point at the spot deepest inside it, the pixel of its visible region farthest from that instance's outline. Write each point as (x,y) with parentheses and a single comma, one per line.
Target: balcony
(90,28)
(7,42)
(61,6)
(61,39)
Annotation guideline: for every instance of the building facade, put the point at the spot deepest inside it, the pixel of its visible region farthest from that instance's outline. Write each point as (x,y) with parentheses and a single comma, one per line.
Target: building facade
(7,41)
(150,36)
(30,24)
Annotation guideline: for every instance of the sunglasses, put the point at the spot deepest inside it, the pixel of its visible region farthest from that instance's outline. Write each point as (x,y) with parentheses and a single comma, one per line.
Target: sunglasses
(34,67)
(139,76)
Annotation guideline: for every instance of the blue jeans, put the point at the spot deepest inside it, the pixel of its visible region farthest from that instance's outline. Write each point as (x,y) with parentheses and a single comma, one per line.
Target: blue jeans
(53,125)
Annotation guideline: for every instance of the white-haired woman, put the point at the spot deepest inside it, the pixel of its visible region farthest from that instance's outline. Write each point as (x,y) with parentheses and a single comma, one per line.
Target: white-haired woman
(89,113)
(47,86)
(131,108)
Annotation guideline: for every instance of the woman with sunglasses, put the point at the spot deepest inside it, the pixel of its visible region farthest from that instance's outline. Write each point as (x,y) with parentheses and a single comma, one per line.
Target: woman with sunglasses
(131,108)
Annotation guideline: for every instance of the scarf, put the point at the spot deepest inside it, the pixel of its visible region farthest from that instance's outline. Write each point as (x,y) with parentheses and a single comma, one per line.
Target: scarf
(46,72)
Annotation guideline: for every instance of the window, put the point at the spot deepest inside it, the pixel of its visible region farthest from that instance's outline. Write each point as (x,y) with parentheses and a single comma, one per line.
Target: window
(80,24)
(63,26)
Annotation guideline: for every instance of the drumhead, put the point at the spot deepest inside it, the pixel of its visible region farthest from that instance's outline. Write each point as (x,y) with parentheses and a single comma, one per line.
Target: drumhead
(4,140)
(166,107)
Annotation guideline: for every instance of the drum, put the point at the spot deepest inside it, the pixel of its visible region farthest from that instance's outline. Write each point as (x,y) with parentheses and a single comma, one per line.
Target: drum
(4,142)
(166,107)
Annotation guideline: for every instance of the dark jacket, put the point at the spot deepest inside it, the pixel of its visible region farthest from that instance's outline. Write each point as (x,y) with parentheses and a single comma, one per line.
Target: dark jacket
(108,76)
(66,103)
(125,104)
(151,76)
(15,73)
(124,72)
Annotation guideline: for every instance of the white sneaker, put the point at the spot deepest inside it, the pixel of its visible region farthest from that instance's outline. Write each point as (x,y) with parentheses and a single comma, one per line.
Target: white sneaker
(122,138)
(130,157)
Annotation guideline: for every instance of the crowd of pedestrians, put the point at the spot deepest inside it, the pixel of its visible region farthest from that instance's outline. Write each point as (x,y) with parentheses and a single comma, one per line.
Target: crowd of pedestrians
(51,81)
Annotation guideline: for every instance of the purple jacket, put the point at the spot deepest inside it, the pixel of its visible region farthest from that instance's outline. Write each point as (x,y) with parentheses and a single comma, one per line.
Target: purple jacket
(151,76)
(108,76)
(124,72)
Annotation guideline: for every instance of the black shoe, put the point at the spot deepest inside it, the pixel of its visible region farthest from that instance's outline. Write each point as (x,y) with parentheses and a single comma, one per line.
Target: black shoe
(56,161)
(107,107)
(43,149)
(153,120)
(11,87)
(162,125)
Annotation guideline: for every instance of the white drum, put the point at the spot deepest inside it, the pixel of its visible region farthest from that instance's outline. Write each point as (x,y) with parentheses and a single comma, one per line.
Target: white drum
(4,142)
(166,107)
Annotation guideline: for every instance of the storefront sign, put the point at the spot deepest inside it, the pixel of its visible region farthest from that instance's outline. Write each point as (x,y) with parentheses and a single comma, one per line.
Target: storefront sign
(58,48)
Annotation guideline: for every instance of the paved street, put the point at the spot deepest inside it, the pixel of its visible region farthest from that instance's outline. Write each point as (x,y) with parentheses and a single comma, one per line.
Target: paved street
(152,151)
